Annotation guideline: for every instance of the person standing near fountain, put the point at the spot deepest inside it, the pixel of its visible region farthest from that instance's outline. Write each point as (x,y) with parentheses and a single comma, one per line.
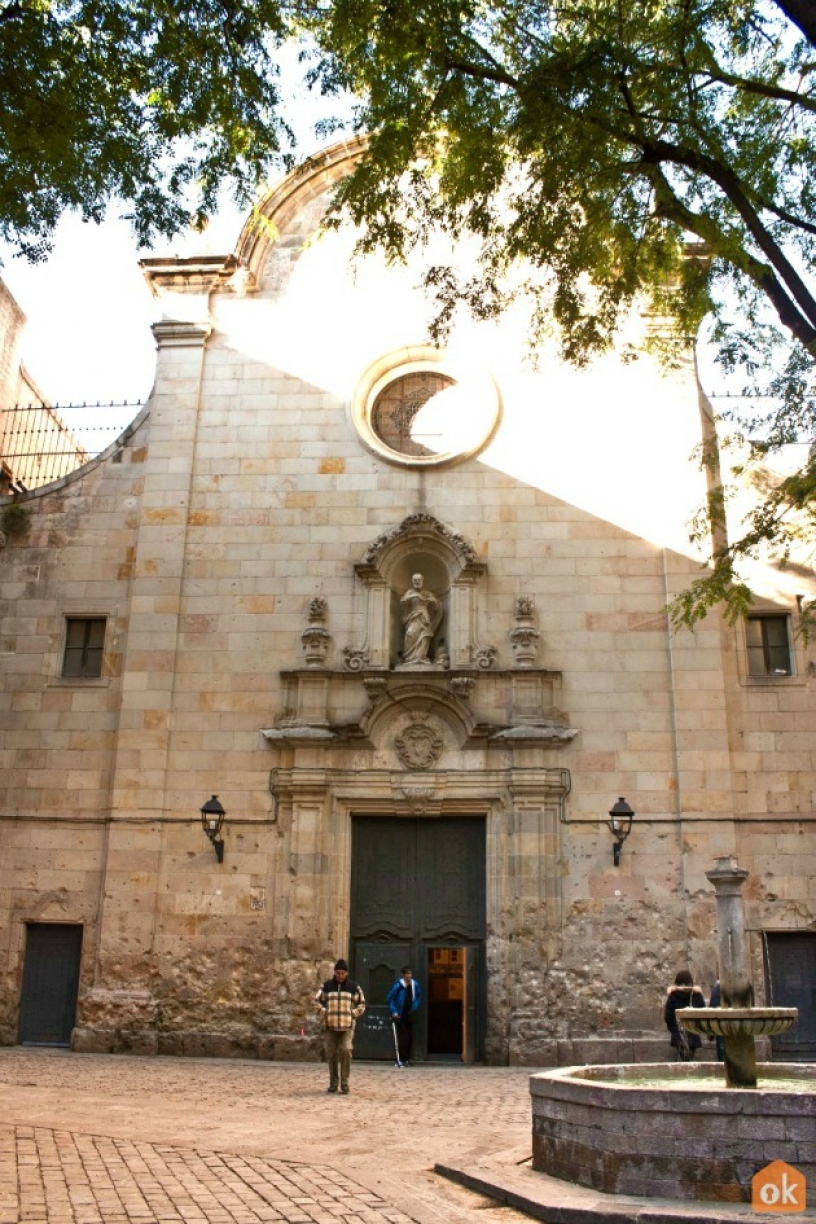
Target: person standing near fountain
(682,994)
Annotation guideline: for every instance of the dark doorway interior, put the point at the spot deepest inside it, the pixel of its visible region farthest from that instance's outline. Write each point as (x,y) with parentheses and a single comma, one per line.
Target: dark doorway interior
(445,976)
(50,983)
(791,970)
(418,898)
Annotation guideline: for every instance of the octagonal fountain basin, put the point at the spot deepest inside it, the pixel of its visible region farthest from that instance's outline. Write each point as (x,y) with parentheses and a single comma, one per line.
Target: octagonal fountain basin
(672,1130)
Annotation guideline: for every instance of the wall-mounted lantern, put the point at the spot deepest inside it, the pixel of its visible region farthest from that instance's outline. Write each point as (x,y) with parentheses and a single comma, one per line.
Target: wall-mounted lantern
(620,825)
(212,819)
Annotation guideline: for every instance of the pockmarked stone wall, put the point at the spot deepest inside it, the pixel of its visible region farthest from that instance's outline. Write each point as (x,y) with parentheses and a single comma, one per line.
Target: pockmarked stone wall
(248,546)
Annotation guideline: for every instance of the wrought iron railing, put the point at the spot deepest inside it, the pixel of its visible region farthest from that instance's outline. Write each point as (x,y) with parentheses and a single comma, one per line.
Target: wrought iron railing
(40,443)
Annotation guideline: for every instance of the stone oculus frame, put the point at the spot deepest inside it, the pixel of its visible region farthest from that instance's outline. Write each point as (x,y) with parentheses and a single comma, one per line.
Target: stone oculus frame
(363,738)
(476,388)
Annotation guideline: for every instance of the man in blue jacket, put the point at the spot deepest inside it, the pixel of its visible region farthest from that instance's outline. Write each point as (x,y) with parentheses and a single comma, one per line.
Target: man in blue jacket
(404,998)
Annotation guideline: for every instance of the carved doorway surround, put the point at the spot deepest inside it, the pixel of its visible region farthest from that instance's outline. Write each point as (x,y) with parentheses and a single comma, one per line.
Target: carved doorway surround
(371,738)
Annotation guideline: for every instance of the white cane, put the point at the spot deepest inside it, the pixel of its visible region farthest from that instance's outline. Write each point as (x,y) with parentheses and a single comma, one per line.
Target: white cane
(396,1043)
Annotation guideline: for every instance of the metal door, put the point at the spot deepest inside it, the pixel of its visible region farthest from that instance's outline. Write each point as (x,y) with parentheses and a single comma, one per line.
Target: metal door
(50,983)
(791,970)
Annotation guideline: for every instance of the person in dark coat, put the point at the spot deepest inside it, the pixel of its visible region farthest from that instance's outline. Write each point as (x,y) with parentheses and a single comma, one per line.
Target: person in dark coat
(682,994)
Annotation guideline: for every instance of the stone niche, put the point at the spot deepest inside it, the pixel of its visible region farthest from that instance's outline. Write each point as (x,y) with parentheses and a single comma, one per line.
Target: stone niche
(450,570)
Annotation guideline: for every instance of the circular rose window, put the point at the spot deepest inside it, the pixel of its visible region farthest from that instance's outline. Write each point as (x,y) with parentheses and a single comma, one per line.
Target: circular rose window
(419,410)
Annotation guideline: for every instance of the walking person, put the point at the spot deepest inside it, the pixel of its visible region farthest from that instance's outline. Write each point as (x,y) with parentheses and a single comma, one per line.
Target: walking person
(682,994)
(340,1002)
(404,998)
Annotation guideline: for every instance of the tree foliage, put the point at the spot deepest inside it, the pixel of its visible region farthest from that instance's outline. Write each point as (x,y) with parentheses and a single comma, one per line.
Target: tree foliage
(583,143)
(592,140)
(153,102)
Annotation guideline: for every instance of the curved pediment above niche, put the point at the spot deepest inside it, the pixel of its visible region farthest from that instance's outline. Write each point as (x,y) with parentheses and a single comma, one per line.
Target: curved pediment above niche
(422,529)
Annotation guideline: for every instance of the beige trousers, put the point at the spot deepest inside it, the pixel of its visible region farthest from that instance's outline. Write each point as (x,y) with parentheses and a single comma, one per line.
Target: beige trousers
(338,1054)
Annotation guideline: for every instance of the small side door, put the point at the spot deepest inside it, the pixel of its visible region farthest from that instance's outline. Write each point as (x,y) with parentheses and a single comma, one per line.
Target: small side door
(50,983)
(791,970)
(376,966)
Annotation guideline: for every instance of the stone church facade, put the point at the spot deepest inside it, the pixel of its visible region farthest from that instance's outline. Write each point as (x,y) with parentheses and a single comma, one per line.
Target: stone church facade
(401,610)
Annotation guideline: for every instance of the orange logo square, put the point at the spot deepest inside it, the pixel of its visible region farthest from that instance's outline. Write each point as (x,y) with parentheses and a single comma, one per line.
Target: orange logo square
(778,1187)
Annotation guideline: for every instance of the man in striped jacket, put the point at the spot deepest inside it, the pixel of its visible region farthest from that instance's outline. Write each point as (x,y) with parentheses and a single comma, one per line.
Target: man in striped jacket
(339,1002)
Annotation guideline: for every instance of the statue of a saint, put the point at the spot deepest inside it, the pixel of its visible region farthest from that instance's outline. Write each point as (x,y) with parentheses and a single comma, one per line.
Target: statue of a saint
(422,613)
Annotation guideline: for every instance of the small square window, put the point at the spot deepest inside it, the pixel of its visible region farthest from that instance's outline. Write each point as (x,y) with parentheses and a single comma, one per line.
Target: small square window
(768,642)
(84,646)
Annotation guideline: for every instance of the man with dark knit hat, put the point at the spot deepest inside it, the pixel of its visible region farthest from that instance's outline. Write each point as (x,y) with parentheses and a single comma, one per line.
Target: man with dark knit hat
(340,1002)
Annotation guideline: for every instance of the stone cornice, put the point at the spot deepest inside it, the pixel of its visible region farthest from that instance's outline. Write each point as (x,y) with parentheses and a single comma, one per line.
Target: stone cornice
(196,274)
(174,333)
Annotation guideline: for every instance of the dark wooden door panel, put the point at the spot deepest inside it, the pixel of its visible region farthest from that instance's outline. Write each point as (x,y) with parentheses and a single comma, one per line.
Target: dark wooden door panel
(792,982)
(50,983)
(451,878)
(382,875)
(376,967)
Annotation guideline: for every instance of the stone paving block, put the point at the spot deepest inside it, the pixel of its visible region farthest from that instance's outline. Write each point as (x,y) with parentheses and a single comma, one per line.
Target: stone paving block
(94,1180)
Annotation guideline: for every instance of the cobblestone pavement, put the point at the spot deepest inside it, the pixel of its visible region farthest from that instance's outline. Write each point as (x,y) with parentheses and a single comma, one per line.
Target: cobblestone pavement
(91,1139)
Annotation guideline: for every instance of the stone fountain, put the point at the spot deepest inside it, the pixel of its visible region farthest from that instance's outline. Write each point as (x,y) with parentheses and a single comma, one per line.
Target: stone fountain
(738,1022)
(678,1131)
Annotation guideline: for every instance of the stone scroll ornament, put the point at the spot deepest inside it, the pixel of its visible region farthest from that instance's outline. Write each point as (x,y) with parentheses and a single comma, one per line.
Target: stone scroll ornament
(423,521)
(355,660)
(419,746)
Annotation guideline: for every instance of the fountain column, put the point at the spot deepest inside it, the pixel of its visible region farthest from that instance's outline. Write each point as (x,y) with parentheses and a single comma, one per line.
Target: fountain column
(727,879)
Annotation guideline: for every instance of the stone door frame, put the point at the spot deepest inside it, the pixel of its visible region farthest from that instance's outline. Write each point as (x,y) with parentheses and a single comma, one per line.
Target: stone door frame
(523,810)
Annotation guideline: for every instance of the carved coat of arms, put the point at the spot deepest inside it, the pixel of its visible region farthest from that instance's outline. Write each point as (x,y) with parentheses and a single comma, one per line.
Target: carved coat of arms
(419,746)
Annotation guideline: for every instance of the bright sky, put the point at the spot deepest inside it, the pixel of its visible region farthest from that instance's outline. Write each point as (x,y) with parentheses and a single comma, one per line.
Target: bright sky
(89,313)
(88,307)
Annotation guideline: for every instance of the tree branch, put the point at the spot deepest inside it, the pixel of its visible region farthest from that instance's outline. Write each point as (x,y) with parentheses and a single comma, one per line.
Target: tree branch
(660,151)
(802,14)
(673,209)
(773,92)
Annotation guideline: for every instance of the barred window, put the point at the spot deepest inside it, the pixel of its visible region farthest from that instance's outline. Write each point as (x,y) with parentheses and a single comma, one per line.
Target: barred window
(84,646)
